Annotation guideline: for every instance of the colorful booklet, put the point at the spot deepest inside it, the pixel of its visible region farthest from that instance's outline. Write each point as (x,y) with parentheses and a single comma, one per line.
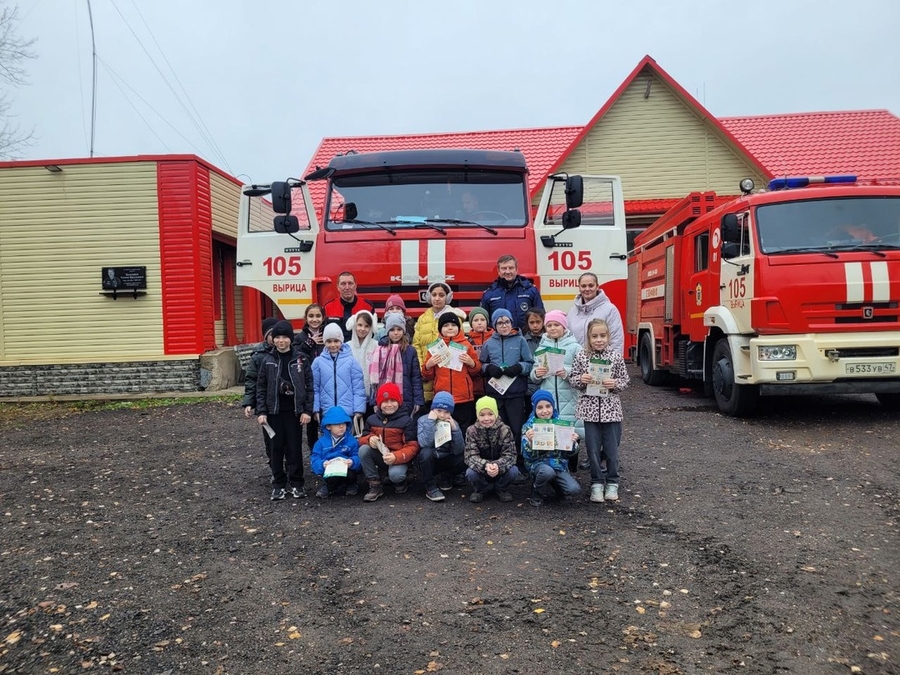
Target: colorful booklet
(442,433)
(335,470)
(550,435)
(551,358)
(600,370)
(501,384)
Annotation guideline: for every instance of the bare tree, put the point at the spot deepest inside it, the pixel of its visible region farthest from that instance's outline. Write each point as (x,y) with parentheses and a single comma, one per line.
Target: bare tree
(14,51)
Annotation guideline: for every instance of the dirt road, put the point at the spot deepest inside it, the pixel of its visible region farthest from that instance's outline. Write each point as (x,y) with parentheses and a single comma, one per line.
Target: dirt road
(144,541)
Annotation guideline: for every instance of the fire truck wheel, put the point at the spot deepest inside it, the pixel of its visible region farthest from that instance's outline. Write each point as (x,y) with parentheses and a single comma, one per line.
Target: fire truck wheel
(652,376)
(889,401)
(736,400)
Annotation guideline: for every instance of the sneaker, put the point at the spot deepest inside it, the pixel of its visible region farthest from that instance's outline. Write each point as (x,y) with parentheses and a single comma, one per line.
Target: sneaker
(401,487)
(278,493)
(535,498)
(444,482)
(322,492)
(352,489)
(375,491)
(459,480)
(612,492)
(504,495)
(434,494)
(476,497)
(298,492)
(584,464)
(597,492)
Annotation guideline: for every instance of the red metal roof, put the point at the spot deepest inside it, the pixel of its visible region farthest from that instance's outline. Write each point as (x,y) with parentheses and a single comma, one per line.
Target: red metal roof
(541,148)
(862,142)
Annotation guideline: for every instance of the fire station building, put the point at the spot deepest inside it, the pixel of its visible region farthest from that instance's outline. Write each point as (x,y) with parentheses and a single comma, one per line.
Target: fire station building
(127,264)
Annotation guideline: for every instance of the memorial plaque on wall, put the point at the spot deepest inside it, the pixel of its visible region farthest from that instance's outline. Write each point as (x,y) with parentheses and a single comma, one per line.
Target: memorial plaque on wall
(124,278)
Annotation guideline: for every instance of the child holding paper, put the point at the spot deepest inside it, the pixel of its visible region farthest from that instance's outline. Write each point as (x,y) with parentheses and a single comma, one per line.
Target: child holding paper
(552,362)
(546,450)
(490,454)
(450,364)
(388,442)
(427,330)
(600,375)
(335,456)
(284,402)
(441,446)
(506,361)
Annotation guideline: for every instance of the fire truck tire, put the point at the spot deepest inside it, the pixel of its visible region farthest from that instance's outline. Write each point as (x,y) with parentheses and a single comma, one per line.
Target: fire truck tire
(652,376)
(735,400)
(889,401)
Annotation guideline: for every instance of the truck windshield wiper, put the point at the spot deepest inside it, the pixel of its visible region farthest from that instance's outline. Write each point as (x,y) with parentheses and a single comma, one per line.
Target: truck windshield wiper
(377,223)
(457,221)
(872,248)
(806,249)
(420,222)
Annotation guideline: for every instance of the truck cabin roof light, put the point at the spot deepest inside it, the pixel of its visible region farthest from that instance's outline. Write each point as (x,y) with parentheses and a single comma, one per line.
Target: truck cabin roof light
(791,182)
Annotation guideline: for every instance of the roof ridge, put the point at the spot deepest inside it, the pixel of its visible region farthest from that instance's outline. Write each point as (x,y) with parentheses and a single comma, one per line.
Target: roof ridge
(808,114)
(483,132)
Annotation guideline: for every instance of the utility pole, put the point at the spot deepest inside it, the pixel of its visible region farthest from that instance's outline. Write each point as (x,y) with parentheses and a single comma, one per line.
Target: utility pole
(94,78)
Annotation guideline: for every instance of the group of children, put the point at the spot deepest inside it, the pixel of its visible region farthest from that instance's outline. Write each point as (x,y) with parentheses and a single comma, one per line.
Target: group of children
(460,408)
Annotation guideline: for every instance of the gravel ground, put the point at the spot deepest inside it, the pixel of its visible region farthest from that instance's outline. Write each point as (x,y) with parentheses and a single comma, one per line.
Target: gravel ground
(143,541)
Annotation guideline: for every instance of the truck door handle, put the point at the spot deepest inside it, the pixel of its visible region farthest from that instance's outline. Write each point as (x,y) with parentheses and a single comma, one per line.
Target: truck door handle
(617,256)
(244,263)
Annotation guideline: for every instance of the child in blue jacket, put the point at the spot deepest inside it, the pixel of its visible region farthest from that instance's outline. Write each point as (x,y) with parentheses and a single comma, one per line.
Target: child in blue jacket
(337,377)
(547,468)
(336,446)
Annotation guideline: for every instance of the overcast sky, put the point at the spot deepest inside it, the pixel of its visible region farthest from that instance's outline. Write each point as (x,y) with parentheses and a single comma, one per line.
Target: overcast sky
(264,82)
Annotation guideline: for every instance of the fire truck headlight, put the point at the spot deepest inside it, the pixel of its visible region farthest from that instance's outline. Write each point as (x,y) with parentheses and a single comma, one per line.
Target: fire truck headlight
(778,353)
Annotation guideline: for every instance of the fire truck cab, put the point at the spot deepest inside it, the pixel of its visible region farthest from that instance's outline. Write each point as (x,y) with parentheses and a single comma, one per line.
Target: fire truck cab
(795,289)
(401,220)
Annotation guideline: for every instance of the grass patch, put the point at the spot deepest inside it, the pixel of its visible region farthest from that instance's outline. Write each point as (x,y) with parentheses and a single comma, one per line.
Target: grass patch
(13,413)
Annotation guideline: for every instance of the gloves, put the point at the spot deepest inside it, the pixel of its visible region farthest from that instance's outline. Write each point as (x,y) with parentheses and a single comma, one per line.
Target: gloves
(513,371)
(493,371)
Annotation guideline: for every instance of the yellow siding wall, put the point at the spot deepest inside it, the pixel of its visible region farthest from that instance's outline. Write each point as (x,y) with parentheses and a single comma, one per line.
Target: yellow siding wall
(57,230)
(225,198)
(659,146)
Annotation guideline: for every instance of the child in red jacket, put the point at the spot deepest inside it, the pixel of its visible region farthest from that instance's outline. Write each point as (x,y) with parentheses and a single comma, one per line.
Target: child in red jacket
(388,443)
(458,383)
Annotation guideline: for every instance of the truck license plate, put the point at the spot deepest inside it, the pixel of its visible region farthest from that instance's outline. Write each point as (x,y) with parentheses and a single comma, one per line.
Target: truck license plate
(870,368)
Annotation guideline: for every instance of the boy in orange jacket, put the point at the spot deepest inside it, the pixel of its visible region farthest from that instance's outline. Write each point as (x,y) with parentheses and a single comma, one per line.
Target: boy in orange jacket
(458,383)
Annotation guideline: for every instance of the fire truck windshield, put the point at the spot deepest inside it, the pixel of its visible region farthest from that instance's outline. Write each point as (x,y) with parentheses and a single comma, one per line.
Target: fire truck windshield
(834,224)
(452,199)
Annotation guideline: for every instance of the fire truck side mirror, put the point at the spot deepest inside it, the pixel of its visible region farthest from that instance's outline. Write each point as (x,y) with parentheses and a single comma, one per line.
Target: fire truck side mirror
(286,224)
(281,197)
(574,192)
(571,219)
(731,230)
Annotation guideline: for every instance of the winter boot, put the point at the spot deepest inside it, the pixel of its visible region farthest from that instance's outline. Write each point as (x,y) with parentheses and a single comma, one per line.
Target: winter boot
(375,491)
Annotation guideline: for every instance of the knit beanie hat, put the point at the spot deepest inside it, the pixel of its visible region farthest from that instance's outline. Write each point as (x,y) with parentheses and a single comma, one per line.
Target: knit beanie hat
(268,325)
(499,314)
(479,310)
(394,301)
(388,391)
(332,332)
(448,317)
(558,317)
(443,400)
(394,321)
(445,287)
(283,329)
(485,402)
(543,395)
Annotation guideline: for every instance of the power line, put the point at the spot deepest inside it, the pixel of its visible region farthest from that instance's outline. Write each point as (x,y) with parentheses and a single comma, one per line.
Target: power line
(204,135)
(181,86)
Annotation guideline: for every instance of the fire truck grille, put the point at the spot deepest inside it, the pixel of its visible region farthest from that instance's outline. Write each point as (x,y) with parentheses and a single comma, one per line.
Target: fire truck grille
(865,352)
(862,314)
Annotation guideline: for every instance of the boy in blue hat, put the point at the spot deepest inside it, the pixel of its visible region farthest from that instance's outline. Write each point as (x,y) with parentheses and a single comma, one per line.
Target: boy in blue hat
(444,460)
(335,456)
(547,468)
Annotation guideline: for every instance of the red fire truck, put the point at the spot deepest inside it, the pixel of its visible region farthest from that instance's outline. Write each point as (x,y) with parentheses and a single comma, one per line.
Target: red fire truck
(401,220)
(795,289)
